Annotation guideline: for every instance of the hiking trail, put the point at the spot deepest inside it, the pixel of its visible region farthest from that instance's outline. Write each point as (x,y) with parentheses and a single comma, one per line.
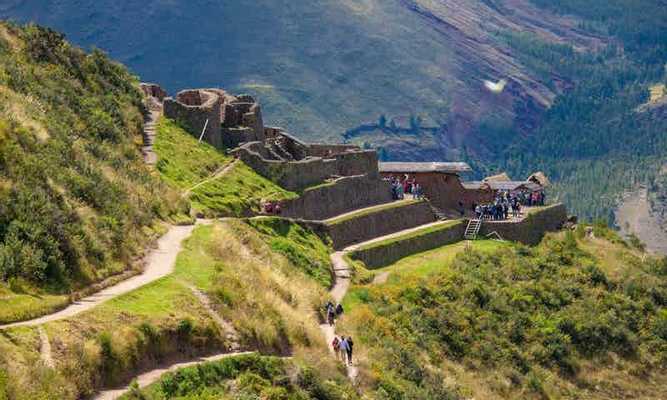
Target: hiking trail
(150,123)
(152,376)
(159,262)
(337,292)
(217,174)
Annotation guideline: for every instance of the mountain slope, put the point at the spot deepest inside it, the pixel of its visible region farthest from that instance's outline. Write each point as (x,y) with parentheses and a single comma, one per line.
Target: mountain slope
(513,85)
(322,69)
(77,202)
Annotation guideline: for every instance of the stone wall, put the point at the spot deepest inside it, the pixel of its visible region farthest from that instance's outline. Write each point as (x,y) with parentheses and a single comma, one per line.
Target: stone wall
(531,230)
(379,223)
(292,175)
(192,108)
(153,90)
(344,195)
(385,253)
(300,174)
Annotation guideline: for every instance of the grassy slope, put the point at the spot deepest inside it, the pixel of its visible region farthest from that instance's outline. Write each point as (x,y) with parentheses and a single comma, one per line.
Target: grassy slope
(245,377)
(78,204)
(572,318)
(186,164)
(270,302)
(303,248)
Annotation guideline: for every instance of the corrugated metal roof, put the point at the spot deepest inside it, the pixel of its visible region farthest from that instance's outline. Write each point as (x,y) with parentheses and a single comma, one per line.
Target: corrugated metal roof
(415,167)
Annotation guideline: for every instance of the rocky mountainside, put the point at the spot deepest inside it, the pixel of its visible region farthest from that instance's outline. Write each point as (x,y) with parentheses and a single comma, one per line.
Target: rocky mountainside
(514,85)
(334,65)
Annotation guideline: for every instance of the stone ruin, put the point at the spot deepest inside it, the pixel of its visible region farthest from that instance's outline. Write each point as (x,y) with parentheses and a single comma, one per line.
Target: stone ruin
(235,122)
(224,120)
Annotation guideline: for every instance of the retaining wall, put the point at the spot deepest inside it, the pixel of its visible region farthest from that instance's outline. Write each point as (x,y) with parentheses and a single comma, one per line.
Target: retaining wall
(531,230)
(344,195)
(386,253)
(310,171)
(379,223)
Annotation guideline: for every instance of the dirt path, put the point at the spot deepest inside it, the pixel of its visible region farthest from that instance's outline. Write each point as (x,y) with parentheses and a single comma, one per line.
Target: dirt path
(230,333)
(221,172)
(342,274)
(634,216)
(152,376)
(45,348)
(381,278)
(159,263)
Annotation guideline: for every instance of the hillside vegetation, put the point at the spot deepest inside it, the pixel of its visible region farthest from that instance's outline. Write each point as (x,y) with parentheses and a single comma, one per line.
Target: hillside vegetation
(77,204)
(245,377)
(575,317)
(269,302)
(207,177)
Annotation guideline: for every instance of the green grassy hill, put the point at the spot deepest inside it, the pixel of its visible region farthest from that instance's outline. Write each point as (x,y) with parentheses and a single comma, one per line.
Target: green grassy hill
(575,317)
(77,204)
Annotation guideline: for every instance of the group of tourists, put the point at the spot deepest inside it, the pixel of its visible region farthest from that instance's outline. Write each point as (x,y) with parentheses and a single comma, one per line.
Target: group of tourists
(333,312)
(506,204)
(343,348)
(401,187)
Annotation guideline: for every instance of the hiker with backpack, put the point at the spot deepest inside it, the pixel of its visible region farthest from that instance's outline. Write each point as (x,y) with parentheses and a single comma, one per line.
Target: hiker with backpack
(350,346)
(344,349)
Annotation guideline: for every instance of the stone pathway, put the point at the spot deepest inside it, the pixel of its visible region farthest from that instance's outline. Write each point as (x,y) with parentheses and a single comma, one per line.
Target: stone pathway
(342,275)
(152,376)
(150,157)
(159,263)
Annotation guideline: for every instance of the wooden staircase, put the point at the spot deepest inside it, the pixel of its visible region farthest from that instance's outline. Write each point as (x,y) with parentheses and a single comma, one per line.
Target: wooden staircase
(472,230)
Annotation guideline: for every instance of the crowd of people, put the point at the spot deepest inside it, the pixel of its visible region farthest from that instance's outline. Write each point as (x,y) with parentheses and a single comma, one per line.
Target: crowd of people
(506,204)
(342,346)
(401,187)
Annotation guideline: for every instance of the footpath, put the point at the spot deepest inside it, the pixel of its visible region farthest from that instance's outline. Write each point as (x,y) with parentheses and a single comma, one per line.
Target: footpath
(159,262)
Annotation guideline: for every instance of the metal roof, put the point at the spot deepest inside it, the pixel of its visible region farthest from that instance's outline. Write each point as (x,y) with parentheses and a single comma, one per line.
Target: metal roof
(502,185)
(415,167)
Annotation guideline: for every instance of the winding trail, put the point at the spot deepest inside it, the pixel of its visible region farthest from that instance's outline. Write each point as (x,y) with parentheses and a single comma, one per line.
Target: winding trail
(342,276)
(220,172)
(152,376)
(160,262)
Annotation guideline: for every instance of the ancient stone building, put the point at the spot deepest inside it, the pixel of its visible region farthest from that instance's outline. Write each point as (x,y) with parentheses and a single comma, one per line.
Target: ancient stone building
(224,120)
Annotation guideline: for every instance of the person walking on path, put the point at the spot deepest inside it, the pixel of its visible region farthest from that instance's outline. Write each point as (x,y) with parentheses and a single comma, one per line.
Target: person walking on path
(350,346)
(331,314)
(339,310)
(336,348)
(344,349)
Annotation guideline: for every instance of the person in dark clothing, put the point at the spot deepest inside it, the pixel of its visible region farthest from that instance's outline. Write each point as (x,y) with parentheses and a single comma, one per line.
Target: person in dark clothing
(350,346)
(339,309)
